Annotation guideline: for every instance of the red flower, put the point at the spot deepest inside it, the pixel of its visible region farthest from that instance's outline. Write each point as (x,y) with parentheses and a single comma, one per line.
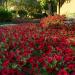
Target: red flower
(41,46)
(68,51)
(58,49)
(48,52)
(20,63)
(41,60)
(13,72)
(49,59)
(5,63)
(71,67)
(4,39)
(31,60)
(62,72)
(58,57)
(5,72)
(49,69)
(18,51)
(68,59)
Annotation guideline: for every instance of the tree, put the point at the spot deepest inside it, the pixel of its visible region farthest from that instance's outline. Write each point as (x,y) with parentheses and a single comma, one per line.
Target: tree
(59,4)
(32,6)
(43,5)
(49,5)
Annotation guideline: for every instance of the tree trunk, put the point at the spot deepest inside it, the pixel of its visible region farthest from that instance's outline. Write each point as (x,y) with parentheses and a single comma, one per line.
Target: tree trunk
(6,4)
(49,7)
(58,7)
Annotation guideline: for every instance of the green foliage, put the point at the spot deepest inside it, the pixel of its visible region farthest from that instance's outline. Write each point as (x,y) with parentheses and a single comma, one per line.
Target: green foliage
(5,15)
(32,6)
(54,5)
(38,15)
(53,64)
(73,47)
(22,13)
(44,71)
(42,3)
(2,46)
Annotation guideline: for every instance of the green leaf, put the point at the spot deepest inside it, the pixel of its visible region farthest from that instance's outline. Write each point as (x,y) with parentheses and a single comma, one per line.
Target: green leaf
(1,67)
(44,71)
(72,47)
(2,44)
(37,53)
(13,65)
(0,61)
(53,64)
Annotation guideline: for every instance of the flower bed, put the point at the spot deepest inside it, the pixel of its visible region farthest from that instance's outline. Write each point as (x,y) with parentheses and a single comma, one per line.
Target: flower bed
(52,21)
(29,49)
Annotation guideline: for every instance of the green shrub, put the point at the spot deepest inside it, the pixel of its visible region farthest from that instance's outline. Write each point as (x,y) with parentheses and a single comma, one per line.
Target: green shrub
(5,15)
(39,15)
(22,13)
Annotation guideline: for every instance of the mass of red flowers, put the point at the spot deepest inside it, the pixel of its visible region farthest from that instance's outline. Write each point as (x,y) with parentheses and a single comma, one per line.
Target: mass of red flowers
(52,20)
(29,49)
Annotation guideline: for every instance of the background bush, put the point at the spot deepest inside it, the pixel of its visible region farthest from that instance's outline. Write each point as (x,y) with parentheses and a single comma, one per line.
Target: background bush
(39,15)
(22,13)
(5,15)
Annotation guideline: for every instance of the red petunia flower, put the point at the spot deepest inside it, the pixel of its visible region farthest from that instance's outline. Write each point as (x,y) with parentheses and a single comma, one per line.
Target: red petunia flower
(5,63)
(71,67)
(63,72)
